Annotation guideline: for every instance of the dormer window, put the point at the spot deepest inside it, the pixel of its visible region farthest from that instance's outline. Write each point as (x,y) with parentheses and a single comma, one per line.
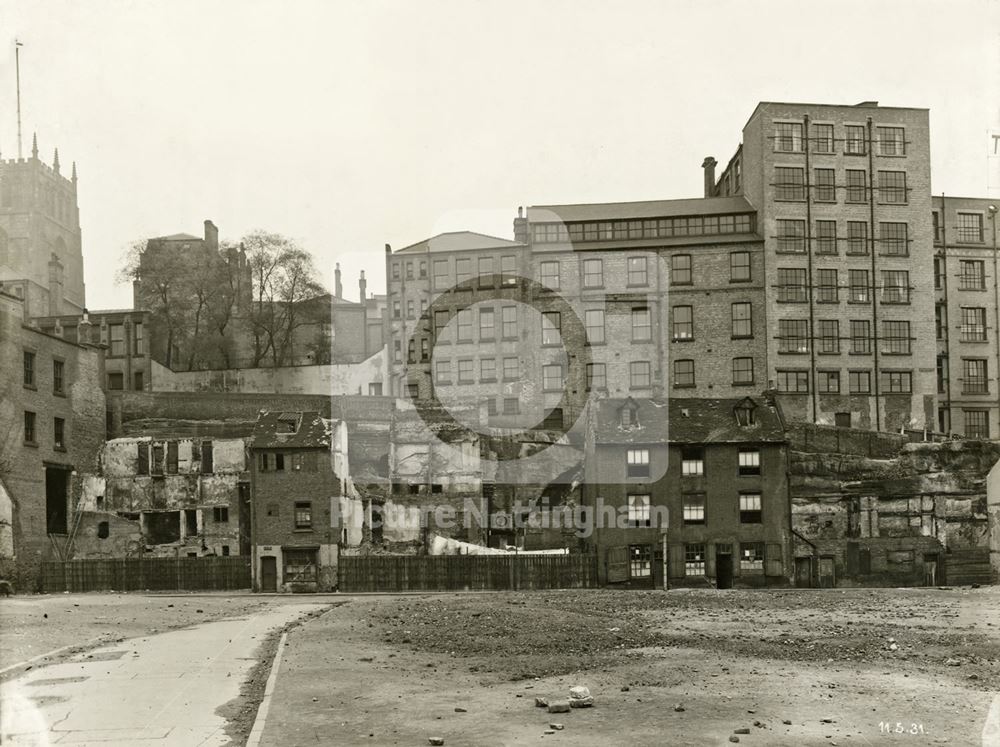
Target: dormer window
(744,412)
(287,424)
(629,414)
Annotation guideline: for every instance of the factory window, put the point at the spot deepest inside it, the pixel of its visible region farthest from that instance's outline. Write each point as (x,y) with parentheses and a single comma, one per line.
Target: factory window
(508,269)
(593,273)
(694,560)
(793,335)
(789,183)
(893,237)
(749,462)
(637,463)
(824,188)
(207,465)
(856,186)
(395,270)
(683,373)
(692,461)
(640,561)
(552,378)
(551,328)
(465,325)
(463,270)
(423,269)
(511,369)
(857,237)
(638,510)
(971,274)
(896,382)
(829,336)
(895,286)
(892,187)
(508,320)
(826,237)
(828,382)
(751,556)
(750,511)
(977,423)
(975,376)
(787,137)
(487,325)
(970,228)
(279,462)
(594,322)
(854,142)
(142,464)
(683,323)
(822,138)
(303,515)
(549,274)
(59,434)
(58,377)
(220,514)
(596,376)
(442,371)
(465,371)
(858,282)
(640,375)
(680,269)
(793,381)
(739,267)
(973,324)
(171,457)
(742,321)
(891,141)
(116,336)
(487,370)
(826,286)
(511,405)
(642,330)
(742,371)
(29,369)
(116,381)
(791,236)
(694,508)
(637,271)
(486,272)
(896,337)
(440,274)
(859,382)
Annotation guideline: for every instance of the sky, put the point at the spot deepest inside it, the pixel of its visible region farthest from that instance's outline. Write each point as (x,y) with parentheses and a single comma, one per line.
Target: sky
(349,125)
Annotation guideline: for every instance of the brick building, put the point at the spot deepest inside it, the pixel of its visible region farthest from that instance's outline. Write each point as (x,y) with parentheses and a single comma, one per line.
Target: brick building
(52,421)
(710,474)
(299,471)
(41,259)
(967,325)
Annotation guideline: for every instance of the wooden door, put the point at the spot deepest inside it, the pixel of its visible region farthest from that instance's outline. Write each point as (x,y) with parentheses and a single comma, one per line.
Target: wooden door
(268,573)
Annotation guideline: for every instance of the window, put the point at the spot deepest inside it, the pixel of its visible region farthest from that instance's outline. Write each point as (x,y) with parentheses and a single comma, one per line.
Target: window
(549,274)
(511,405)
(593,273)
(486,272)
(891,141)
(637,271)
(826,286)
(410,312)
(859,291)
(29,369)
(511,369)
(156,461)
(751,556)
(640,375)
(828,382)
(742,371)
(594,321)
(423,268)
(637,463)
(303,515)
(861,337)
(694,508)
(375,389)
(463,270)
(829,337)
(551,328)
(749,462)
(974,380)
(171,457)
(642,325)
(491,407)
(857,237)
(822,138)
(793,381)
(856,186)
(396,313)
(692,461)
(116,337)
(742,319)
(859,382)
(137,381)
(895,286)
(220,514)
(465,367)
(552,377)
(640,561)
(487,325)
(683,325)
(395,270)
(103,529)
(300,566)
(442,371)
(854,142)
(739,267)
(939,273)
(425,349)
(508,269)
(409,271)
(793,335)
(29,427)
(941,321)
(977,424)
(896,337)
(971,274)
(138,345)
(487,369)
(788,137)
(892,187)
(694,560)
(791,236)
(893,237)
(970,228)
(508,320)
(440,274)
(826,237)
(750,512)
(936,221)
(973,324)
(680,269)
(792,285)
(596,376)
(59,433)
(789,183)
(683,373)
(411,351)
(825,189)
(116,381)
(896,382)
(464,325)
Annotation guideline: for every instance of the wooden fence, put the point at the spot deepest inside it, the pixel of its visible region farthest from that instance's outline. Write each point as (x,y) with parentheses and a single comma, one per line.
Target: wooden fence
(466,572)
(152,574)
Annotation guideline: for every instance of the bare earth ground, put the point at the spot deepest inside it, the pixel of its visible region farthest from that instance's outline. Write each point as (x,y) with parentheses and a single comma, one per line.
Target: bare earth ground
(674,668)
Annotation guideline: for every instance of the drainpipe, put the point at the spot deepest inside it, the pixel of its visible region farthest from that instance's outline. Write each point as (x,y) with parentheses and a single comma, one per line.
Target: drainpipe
(992,209)
(874,286)
(809,265)
(947,329)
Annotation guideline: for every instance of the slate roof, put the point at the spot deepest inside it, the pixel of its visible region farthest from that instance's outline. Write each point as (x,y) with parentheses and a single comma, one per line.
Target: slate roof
(636,210)
(311,430)
(681,420)
(458,241)
(177,237)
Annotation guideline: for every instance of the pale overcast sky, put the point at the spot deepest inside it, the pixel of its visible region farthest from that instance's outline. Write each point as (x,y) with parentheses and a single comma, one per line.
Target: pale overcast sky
(351,124)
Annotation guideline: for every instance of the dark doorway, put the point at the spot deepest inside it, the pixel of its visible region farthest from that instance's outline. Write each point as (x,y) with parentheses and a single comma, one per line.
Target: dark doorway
(930,569)
(803,572)
(723,569)
(842,419)
(827,573)
(56,500)
(163,527)
(191,521)
(268,573)
(244,493)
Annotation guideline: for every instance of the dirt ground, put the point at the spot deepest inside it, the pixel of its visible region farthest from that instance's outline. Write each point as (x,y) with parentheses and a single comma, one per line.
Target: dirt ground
(804,667)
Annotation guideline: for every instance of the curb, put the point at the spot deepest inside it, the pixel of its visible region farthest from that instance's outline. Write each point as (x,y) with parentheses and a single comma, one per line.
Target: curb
(47,654)
(258,723)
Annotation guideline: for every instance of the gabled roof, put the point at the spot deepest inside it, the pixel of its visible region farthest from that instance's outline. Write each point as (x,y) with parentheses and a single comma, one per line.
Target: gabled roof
(458,241)
(311,431)
(177,237)
(637,210)
(681,420)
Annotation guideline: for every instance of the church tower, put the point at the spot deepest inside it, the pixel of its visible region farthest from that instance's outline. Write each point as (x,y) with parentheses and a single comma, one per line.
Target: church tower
(41,258)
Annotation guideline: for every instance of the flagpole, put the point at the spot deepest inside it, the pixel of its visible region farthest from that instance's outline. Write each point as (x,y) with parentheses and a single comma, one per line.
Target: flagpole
(17,66)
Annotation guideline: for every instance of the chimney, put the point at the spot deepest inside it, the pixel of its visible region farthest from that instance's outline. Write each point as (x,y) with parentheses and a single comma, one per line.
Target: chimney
(55,285)
(362,286)
(338,288)
(709,165)
(521,227)
(211,235)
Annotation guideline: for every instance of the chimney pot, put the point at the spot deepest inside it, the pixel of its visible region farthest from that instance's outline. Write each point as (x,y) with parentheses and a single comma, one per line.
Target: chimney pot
(709,166)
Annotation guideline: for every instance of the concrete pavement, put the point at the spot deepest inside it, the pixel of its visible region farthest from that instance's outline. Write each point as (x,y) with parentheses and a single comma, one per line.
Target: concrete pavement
(163,689)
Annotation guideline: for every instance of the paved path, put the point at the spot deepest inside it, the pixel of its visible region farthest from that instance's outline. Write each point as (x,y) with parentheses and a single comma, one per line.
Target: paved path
(158,690)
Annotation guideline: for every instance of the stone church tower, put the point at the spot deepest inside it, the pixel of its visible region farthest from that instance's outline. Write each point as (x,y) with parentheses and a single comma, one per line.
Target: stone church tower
(41,258)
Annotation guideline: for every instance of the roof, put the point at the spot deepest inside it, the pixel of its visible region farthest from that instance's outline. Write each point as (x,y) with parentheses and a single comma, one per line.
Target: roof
(177,237)
(636,210)
(860,105)
(304,430)
(682,420)
(458,241)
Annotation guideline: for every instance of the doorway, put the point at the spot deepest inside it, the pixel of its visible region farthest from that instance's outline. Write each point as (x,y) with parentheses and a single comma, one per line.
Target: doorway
(827,572)
(723,568)
(803,572)
(930,569)
(56,500)
(268,573)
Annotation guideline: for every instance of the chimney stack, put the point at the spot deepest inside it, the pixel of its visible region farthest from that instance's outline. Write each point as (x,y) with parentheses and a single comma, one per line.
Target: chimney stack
(211,235)
(362,286)
(521,227)
(709,165)
(338,288)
